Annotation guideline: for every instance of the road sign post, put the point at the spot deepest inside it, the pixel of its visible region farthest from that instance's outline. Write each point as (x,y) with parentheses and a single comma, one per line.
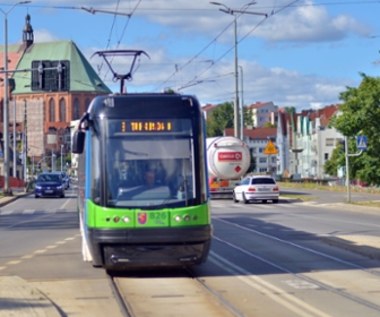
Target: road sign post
(361,144)
(269,150)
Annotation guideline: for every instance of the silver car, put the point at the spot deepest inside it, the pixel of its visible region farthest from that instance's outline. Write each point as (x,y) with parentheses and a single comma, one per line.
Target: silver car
(256,188)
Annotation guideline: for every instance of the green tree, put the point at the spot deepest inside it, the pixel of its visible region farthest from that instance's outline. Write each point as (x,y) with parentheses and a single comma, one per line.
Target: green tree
(221,117)
(248,117)
(360,114)
(269,125)
(336,161)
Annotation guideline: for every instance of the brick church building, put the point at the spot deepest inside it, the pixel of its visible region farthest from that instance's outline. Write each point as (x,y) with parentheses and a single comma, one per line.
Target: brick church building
(54,84)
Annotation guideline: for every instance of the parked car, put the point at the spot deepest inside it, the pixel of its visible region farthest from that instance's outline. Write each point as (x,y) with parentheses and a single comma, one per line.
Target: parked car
(49,185)
(257,188)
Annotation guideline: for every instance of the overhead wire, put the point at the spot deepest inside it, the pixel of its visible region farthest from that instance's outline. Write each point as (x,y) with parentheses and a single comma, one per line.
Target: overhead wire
(191,60)
(179,68)
(121,35)
(196,78)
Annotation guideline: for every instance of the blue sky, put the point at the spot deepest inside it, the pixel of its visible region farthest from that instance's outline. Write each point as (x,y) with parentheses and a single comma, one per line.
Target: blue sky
(303,54)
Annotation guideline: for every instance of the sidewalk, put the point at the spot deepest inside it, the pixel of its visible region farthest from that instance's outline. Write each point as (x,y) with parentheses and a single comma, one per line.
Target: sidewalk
(17,297)
(4,200)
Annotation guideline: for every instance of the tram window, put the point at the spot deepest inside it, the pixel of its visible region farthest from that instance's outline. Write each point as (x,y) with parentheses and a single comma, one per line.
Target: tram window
(146,173)
(95,169)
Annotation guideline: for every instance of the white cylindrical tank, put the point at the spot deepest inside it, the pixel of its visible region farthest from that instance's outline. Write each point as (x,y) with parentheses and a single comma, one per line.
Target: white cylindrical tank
(227,157)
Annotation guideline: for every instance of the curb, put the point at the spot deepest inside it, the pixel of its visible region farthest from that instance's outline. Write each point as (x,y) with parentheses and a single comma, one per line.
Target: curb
(17,295)
(371,252)
(8,199)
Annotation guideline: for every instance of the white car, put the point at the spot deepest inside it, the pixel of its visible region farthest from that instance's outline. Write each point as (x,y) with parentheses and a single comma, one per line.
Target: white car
(256,188)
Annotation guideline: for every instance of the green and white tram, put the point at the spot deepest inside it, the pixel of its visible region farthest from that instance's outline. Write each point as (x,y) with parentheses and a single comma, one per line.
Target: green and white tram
(142,181)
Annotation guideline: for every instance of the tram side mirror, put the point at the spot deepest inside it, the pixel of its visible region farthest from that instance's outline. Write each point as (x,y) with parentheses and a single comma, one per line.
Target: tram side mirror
(77,145)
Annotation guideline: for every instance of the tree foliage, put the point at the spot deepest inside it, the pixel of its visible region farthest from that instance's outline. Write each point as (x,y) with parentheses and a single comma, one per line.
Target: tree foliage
(360,115)
(248,117)
(337,160)
(221,117)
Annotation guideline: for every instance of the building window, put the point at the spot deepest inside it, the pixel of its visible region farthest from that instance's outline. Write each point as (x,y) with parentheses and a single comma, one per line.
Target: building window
(263,160)
(62,110)
(76,109)
(329,142)
(326,156)
(51,110)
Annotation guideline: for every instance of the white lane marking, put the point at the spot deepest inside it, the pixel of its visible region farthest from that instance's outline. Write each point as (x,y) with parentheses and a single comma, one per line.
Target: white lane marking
(38,252)
(6,212)
(278,295)
(29,211)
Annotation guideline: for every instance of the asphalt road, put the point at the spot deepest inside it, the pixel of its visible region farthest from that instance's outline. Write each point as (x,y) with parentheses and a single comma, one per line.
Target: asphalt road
(266,260)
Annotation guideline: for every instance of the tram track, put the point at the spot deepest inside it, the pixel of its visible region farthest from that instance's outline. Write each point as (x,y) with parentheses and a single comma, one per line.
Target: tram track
(169,293)
(301,247)
(321,280)
(212,290)
(125,309)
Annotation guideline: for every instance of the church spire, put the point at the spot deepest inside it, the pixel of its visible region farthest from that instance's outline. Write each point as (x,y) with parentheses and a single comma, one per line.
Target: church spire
(27,33)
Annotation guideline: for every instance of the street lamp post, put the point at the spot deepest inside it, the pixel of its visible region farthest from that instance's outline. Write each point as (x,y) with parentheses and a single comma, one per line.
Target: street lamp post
(7,190)
(241,103)
(61,158)
(233,12)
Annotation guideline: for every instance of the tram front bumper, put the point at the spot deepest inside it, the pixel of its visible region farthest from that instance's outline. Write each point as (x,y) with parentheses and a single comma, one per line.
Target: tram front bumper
(150,247)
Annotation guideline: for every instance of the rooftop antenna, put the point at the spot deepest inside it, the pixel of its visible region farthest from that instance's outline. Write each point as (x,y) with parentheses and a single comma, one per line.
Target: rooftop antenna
(128,53)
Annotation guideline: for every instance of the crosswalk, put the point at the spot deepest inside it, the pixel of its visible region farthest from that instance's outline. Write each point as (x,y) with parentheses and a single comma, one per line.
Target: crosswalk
(259,205)
(214,204)
(33,211)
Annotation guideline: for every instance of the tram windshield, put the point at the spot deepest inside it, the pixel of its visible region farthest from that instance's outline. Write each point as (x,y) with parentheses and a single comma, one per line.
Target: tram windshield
(149,163)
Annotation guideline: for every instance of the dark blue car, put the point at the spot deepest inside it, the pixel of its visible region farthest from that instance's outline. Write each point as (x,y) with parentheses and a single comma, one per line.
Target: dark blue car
(49,185)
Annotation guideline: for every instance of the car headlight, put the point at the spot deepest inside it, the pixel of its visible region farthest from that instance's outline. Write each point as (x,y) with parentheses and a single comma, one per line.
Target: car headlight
(38,187)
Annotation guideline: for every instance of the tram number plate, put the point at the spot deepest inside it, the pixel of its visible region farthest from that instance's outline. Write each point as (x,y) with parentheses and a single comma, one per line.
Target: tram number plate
(152,219)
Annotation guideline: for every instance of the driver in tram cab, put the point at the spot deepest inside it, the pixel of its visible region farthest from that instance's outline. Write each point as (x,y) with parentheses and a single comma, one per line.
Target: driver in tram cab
(150,178)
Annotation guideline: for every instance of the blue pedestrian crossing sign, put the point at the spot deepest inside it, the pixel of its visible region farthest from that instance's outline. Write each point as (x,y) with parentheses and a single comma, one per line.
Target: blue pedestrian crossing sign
(361,142)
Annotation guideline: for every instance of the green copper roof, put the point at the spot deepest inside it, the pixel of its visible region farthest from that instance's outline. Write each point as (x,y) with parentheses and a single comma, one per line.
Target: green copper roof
(83,78)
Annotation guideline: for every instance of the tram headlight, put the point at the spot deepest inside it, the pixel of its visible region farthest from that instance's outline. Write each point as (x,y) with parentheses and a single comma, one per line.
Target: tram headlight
(179,218)
(126,219)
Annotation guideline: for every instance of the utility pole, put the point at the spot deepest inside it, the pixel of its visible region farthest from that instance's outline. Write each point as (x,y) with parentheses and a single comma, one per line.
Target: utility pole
(233,12)
(7,190)
(347,170)
(361,148)
(241,103)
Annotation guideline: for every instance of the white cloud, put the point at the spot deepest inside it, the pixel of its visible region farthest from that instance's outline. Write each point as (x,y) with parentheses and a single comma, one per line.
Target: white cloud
(310,24)
(43,35)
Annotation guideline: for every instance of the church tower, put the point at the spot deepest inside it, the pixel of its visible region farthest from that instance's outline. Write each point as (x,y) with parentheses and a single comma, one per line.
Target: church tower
(27,33)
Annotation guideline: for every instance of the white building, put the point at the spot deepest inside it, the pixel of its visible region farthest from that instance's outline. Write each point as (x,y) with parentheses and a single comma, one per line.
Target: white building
(263,113)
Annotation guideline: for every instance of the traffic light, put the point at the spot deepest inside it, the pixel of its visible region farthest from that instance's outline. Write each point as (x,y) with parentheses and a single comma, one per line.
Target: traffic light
(50,75)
